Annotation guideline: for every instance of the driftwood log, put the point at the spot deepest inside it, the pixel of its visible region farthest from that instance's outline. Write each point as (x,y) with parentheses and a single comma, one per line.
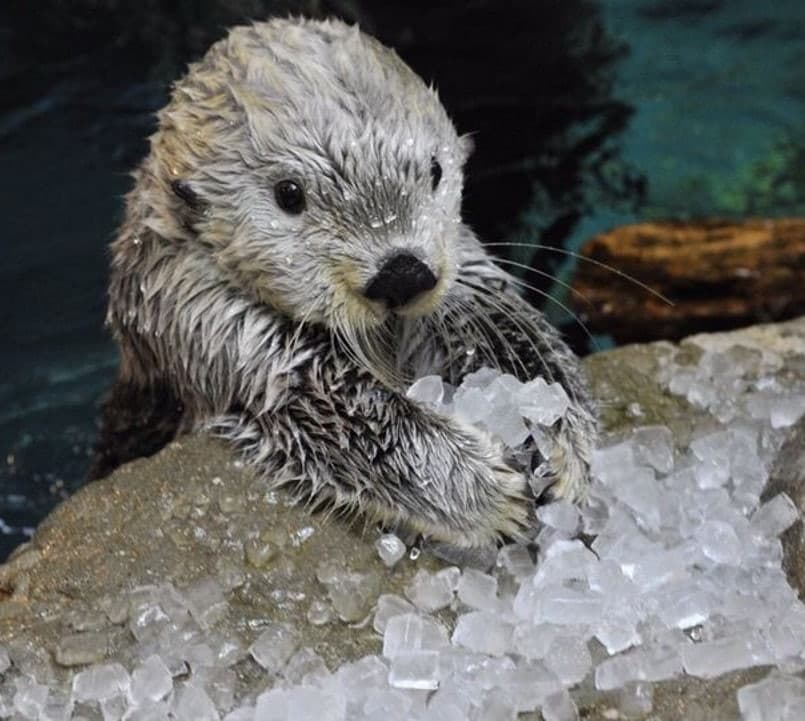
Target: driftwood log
(718,275)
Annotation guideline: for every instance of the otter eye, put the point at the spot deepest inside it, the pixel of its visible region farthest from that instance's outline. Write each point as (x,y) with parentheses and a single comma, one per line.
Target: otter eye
(290,196)
(435,173)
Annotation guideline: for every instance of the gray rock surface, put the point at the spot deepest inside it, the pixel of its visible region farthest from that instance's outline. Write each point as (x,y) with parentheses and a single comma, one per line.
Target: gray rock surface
(788,476)
(193,512)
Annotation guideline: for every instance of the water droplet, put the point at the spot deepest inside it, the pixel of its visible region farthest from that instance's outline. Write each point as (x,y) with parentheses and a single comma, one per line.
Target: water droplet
(375,223)
(471,351)
(390,218)
(414,554)
(136,240)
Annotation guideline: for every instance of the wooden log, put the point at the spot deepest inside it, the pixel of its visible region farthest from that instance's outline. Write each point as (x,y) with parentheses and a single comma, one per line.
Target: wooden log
(719,274)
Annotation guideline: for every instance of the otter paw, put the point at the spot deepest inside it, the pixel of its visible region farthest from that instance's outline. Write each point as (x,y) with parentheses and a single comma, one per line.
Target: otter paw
(512,511)
(566,472)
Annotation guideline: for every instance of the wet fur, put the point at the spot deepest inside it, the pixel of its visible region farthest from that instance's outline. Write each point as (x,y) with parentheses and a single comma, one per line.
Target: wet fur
(233,316)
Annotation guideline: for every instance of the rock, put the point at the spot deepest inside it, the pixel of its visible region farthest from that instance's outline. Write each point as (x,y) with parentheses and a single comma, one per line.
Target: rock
(170,528)
(159,520)
(788,476)
(719,274)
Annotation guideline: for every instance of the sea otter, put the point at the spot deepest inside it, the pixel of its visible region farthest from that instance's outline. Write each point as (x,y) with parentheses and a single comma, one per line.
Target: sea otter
(292,256)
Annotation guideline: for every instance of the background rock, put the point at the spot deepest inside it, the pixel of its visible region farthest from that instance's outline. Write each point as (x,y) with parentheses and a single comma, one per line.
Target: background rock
(719,275)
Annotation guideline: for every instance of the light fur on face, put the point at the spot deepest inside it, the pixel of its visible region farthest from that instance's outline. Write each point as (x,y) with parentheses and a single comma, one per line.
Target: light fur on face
(330,108)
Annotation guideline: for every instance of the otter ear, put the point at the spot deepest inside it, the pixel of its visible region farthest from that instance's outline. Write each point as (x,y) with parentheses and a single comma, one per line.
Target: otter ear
(466,145)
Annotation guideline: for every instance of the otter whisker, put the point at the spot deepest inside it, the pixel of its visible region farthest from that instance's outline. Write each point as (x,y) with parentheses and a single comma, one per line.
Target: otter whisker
(479,324)
(548,296)
(484,324)
(579,256)
(550,276)
(484,294)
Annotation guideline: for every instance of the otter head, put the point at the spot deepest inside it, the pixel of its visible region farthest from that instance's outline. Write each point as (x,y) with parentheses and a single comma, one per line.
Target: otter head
(319,171)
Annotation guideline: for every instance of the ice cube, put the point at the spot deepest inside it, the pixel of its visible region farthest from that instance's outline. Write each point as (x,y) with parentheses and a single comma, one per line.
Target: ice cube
(611,463)
(273,706)
(79,649)
(775,697)
(205,601)
(496,706)
(569,658)
(478,590)
(653,663)
(559,707)
(720,542)
(193,704)
(533,641)
(305,666)
(306,703)
(654,445)
(429,591)
(709,659)
(30,698)
(617,635)
(471,404)
(543,403)
(151,681)
(560,515)
(428,390)
(774,516)
(507,425)
(409,632)
(529,684)
(352,594)
(415,670)
(568,607)
(113,708)
(274,646)
(482,378)
(59,707)
(390,549)
(565,559)
(101,682)
(388,704)
(636,699)
(389,605)
(786,410)
(483,632)
(684,606)
(713,454)
(319,613)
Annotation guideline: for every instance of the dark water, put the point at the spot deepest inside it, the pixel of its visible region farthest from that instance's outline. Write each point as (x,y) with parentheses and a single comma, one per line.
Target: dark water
(586,115)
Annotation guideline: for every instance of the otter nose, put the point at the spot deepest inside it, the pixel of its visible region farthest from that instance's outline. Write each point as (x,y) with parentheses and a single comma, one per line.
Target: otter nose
(402,277)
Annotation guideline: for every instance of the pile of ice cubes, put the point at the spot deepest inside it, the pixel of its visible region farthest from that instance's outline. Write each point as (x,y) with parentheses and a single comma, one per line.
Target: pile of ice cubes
(684,577)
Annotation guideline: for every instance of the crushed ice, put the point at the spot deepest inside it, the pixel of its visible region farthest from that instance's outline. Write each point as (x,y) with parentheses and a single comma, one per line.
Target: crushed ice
(684,577)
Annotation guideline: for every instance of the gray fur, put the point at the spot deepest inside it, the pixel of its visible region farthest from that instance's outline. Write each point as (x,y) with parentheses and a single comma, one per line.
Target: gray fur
(255,318)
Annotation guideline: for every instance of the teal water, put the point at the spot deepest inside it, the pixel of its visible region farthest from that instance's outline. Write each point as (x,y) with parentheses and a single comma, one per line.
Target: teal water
(718,91)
